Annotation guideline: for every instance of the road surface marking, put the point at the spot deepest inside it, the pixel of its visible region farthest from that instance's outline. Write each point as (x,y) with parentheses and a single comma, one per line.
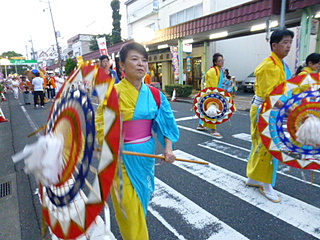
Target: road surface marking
(291,210)
(32,124)
(191,215)
(213,146)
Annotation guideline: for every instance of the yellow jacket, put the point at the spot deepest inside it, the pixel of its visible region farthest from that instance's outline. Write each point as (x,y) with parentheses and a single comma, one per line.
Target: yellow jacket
(213,77)
(270,73)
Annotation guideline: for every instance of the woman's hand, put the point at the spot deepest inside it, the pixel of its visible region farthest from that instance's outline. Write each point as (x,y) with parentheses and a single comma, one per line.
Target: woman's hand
(169,156)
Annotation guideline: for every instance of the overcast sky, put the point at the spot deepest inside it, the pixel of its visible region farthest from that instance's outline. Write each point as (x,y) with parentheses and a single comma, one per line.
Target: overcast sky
(23,20)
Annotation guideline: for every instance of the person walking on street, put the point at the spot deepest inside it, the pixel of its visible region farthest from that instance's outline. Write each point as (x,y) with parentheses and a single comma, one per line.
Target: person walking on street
(105,64)
(51,87)
(312,65)
(214,78)
(38,84)
(25,86)
(144,109)
(272,71)
(15,86)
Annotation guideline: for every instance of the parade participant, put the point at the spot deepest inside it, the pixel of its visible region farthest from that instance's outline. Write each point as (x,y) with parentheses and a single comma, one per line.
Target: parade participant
(143,109)
(312,65)
(38,84)
(51,86)
(105,64)
(233,86)
(25,86)
(15,86)
(271,72)
(147,79)
(214,78)
(59,82)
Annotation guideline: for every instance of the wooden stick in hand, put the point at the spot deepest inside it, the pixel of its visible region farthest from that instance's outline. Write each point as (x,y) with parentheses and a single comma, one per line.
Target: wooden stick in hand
(161,157)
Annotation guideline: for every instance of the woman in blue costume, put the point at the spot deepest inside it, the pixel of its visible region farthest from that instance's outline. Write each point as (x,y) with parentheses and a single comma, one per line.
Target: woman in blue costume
(143,109)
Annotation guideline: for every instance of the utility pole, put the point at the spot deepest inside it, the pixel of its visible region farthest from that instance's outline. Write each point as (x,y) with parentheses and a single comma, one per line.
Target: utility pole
(56,37)
(33,57)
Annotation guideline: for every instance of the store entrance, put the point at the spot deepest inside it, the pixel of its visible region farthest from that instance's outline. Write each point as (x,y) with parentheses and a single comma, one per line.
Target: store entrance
(196,73)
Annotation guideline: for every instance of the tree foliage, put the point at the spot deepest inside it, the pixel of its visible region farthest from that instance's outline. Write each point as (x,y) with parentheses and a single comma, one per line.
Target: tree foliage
(70,66)
(10,54)
(116,16)
(115,35)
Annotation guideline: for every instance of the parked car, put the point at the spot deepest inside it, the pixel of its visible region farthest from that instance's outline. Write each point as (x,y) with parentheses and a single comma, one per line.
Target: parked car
(248,83)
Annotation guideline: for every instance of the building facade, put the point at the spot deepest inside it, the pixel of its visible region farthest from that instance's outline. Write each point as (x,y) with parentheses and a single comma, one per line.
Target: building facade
(217,26)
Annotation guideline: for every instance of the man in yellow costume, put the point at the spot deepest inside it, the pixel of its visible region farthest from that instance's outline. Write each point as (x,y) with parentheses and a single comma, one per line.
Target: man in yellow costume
(272,71)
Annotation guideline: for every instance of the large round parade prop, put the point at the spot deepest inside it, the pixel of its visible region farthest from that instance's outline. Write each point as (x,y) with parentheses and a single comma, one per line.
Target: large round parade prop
(71,206)
(279,127)
(221,99)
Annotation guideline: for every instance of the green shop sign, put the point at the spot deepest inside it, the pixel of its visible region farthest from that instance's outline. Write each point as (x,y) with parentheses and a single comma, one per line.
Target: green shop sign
(22,62)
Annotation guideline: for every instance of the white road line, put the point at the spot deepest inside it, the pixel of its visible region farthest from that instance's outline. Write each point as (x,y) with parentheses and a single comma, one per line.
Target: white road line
(243,136)
(186,118)
(32,124)
(212,146)
(237,157)
(207,134)
(194,130)
(291,210)
(192,214)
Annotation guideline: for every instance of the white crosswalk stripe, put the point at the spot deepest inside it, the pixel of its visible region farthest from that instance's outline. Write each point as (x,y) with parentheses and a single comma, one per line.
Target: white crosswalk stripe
(290,209)
(192,214)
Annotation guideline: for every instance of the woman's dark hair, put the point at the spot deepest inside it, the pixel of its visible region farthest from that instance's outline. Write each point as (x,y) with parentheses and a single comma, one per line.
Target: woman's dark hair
(313,58)
(132,46)
(215,58)
(278,35)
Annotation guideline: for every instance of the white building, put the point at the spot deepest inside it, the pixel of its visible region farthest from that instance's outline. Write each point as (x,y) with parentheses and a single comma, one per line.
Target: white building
(79,45)
(170,22)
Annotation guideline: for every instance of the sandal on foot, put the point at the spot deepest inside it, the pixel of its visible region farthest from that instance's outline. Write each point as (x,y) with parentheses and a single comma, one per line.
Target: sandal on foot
(200,128)
(216,135)
(270,195)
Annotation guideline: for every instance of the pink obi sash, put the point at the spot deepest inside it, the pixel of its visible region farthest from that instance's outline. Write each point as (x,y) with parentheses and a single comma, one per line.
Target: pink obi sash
(137,131)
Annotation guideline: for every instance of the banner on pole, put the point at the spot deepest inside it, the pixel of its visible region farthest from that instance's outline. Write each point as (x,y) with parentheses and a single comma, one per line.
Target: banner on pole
(102,46)
(175,61)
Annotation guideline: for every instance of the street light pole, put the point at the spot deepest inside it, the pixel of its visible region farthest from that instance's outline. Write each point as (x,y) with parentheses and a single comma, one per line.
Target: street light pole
(55,35)
(32,49)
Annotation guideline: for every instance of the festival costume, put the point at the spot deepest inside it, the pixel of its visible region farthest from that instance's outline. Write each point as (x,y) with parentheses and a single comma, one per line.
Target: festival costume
(15,88)
(305,70)
(50,83)
(214,78)
(25,87)
(140,114)
(270,73)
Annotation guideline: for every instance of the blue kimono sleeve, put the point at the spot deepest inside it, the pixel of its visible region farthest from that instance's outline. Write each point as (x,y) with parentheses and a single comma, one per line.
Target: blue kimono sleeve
(164,125)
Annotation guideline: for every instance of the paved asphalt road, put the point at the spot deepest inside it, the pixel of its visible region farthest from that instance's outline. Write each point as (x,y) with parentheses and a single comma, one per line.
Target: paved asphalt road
(191,201)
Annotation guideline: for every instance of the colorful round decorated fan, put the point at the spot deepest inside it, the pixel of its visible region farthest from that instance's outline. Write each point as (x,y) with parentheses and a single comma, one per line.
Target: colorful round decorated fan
(221,99)
(70,207)
(279,127)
